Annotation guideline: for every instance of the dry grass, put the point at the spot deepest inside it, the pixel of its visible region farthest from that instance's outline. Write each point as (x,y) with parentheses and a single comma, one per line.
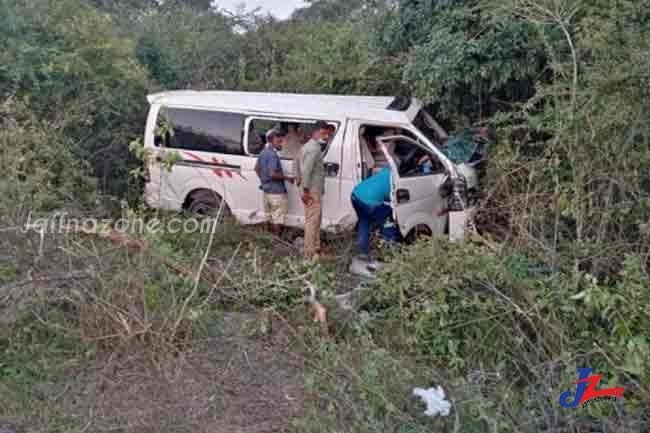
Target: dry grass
(94,342)
(146,346)
(231,383)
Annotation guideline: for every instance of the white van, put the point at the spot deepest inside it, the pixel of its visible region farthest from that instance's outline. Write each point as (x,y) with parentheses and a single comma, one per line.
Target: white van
(217,136)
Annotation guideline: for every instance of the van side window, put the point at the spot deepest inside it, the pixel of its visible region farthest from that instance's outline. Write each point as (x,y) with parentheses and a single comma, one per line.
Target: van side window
(413,161)
(373,159)
(257,129)
(200,130)
(297,134)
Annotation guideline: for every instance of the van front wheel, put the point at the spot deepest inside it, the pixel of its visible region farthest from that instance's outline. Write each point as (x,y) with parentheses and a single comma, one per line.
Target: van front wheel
(206,203)
(417,233)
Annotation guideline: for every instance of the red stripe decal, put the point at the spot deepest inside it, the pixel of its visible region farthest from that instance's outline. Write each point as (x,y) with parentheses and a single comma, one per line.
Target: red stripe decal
(220,172)
(194,157)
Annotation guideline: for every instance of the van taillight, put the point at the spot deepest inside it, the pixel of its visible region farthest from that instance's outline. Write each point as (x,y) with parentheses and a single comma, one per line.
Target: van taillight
(147,171)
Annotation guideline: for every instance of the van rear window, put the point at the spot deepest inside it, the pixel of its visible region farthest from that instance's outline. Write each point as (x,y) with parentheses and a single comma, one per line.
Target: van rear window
(201,130)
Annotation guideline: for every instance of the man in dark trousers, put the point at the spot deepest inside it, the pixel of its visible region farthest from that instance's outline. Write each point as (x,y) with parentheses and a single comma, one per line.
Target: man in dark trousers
(370,200)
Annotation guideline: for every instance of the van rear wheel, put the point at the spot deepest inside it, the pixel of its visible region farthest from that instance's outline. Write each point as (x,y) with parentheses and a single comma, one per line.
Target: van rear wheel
(205,204)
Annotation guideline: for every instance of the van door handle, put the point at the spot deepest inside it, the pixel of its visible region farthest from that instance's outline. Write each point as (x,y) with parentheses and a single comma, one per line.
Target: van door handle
(403,196)
(331,169)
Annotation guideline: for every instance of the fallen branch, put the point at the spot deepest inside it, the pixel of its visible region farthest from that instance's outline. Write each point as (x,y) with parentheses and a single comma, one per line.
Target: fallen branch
(197,279)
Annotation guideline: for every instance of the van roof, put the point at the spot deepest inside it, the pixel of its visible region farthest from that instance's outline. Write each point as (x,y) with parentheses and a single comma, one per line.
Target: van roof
(372,108)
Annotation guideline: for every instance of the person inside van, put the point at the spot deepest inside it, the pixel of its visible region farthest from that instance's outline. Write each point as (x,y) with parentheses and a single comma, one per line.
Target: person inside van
(313,186)
(269,170)
(390,145)
(294,139)
(370,200)
(256,140)
(377,159)
(332,132)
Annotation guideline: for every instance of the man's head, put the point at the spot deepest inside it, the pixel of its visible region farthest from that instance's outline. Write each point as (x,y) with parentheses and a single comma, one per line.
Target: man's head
(321,132)
(275,137)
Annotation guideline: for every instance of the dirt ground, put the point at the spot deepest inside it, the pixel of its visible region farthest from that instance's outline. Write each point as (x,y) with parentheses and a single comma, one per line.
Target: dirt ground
(234,382)
(238,380)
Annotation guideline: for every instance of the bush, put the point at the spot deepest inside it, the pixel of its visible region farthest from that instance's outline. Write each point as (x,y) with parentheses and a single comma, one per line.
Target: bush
(78,73)
(40,170)
(462,309)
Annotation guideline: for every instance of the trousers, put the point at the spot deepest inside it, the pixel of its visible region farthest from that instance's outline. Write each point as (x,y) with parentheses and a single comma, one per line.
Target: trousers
(313,221)
(370,217)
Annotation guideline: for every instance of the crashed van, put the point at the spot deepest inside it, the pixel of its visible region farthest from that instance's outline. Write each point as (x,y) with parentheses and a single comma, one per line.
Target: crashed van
(216,136)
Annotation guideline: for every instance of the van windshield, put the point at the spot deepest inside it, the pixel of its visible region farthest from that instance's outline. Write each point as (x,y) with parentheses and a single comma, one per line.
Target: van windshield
(430,128)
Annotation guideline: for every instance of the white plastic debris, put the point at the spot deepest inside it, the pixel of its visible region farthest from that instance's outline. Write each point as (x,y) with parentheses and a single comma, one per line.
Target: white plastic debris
(579,296)
(434,398)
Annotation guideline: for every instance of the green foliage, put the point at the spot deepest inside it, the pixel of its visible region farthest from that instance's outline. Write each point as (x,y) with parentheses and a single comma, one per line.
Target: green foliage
(458,56)
(78,72)
(337,11)
(461,306)
(585,150)
(275,58)
(466,61)
(502,336)
(8,273)
(363,388)
(200,52)
(36,176)
(32,354)
(567,196)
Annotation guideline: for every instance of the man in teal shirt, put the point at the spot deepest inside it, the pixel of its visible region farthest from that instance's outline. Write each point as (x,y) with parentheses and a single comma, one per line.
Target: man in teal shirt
(369,199)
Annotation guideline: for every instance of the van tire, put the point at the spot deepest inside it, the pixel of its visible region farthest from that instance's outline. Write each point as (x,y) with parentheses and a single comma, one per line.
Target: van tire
(418,232)
(205,203)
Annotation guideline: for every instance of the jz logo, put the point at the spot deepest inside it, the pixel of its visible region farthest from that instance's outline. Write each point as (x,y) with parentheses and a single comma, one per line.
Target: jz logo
(586,390)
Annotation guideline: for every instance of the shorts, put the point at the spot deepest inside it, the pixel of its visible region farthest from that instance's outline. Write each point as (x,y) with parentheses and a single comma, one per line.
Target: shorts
(276,207)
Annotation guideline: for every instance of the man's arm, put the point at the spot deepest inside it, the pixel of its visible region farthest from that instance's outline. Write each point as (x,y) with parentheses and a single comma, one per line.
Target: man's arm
(296,164)
(296,167)
(277,173)
(258,170)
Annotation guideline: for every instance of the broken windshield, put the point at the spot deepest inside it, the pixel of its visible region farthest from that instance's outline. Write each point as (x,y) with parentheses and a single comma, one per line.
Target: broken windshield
(430,128)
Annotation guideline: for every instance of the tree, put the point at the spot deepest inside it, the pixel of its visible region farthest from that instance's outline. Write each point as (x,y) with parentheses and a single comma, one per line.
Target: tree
(201,52)
(339,10)
(590,179)
(77,72)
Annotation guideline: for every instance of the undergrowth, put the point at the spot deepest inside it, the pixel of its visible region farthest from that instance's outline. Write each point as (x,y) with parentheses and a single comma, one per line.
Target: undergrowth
(502,334)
